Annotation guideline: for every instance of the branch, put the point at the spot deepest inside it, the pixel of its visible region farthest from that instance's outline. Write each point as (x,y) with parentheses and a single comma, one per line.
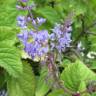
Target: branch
(53,69)
(84,31)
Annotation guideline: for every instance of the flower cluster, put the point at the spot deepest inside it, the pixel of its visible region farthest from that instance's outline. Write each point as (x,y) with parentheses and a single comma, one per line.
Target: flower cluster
(21,21)
(35,41)
(60,39)
(38,22)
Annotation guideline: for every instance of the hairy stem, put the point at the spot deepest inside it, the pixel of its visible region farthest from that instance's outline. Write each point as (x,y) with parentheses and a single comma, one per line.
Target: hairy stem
(54,72)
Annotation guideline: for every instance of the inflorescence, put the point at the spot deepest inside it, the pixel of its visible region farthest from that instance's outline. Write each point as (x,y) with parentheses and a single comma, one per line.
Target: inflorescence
(37,43)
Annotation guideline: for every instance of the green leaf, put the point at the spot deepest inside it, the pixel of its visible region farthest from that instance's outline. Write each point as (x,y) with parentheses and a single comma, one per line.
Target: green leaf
(75,74)
(50,14)
(8,34)
(65,63)
(57,93)
(42,86)
(10,59)
(24,85)
(8,12)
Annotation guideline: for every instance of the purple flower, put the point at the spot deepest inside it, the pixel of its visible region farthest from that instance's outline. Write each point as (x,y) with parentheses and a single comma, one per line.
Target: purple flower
(68,28)
(43,35)
(52,37)
(60,39)
(24,8)
(40,43)
(29,19)
(24,0)
(21,21)
(38,22)
(57,31)
(23,36)
(34,22)
(35,42)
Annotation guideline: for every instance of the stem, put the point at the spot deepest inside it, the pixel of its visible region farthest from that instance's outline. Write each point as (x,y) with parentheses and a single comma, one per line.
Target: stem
(53,70)
(30,13)
(82,32)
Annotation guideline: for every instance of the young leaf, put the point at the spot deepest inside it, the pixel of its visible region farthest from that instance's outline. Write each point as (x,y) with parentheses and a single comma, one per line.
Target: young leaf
(76,73)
